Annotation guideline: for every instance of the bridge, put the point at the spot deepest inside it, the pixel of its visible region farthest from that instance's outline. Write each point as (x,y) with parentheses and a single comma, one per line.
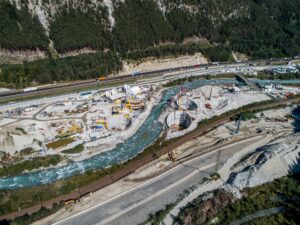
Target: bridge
(239,77)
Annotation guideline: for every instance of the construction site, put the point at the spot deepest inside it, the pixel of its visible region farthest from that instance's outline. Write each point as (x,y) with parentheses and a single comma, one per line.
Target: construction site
(95,122)
(188,108)
(94,130)
(267,139)
(91,119)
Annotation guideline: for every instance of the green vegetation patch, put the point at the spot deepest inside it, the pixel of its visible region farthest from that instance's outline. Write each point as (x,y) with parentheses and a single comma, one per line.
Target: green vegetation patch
(75,150)
(248,115)
(181,81)
(139,24)
(73,29)
(28,165)
(283,192)
(286,76)
(19,29)
(26,151)
(158,217)
(44,212)
(277,219)
(60,143)
(88,66)
(21,130)
(214,53)
(260,29)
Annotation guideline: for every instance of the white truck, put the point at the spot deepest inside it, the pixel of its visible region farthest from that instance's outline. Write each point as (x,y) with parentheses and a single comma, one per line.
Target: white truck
(30,89)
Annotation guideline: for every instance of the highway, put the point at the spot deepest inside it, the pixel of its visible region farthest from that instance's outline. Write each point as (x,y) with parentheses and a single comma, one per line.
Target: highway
(90,83)
(133,206)
(212,70)
(39,94)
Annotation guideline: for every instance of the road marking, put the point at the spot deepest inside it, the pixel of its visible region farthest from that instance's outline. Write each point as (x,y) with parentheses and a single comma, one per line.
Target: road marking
(135,205)
(144,184)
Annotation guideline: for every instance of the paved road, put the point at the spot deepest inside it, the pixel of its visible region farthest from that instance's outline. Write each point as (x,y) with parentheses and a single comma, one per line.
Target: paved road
(91,83)
(215,70)
(133,207)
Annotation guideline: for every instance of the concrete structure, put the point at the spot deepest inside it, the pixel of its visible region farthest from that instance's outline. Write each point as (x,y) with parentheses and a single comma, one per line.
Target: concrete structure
(178,120)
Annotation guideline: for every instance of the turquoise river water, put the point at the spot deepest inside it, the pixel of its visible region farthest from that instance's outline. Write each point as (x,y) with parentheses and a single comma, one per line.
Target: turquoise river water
(145,135)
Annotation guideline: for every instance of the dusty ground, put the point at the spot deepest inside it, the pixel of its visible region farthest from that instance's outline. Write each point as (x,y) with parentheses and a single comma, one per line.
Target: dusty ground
(36,125)
(157,64)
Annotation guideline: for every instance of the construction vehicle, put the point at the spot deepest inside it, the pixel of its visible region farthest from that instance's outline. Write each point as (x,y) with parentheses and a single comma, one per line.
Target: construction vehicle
(102,78)
(30,89)
(102,122)
(71,202)
(128,105)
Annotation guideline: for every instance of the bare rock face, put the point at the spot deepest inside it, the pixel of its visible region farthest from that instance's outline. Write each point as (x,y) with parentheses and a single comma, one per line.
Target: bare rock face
(19,56)
(268,163)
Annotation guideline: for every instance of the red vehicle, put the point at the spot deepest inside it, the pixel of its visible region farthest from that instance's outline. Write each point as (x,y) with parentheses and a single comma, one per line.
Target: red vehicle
(208,106)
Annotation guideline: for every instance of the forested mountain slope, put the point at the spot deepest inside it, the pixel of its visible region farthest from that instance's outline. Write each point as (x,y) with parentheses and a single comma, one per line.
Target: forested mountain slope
(139,28)
(19,29)
(254,27)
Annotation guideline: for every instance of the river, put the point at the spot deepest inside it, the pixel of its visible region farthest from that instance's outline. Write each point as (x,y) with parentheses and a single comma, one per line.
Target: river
(145,135)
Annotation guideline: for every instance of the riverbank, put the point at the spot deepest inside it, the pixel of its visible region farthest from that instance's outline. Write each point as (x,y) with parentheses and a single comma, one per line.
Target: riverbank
(115,172)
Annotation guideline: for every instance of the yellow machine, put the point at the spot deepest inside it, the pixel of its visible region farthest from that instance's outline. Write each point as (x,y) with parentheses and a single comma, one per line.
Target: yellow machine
(71,202)
(101,78)
(102,122)
(128,105)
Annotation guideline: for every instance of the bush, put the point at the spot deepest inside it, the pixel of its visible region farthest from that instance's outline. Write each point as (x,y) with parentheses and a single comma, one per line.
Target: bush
(44,212)
(37,162)
(60,143)
(76,149)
